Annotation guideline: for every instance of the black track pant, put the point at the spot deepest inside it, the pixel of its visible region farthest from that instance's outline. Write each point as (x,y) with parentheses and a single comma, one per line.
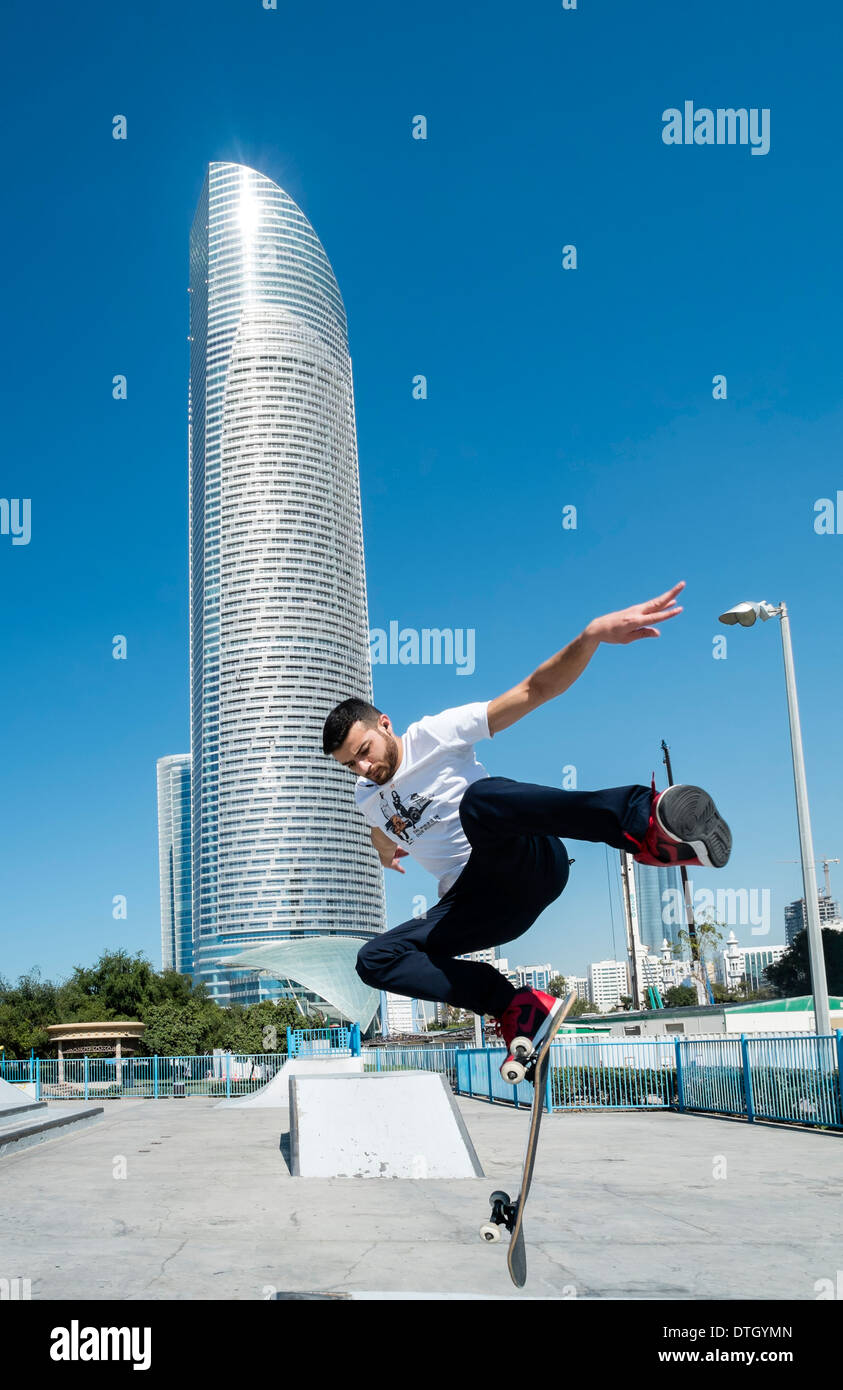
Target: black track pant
(516,867)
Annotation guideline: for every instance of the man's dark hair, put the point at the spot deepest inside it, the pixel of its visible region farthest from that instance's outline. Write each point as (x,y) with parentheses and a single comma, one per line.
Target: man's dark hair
(342,717)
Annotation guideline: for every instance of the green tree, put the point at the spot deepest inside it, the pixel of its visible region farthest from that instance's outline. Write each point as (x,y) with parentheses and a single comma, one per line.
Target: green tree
(791,975)
(261,1027)
(180,1018)
(26,1011)
(118,986)
(179,1030)
(560,988)
(581,1006)
(708,938)
(722,995)
(680,997)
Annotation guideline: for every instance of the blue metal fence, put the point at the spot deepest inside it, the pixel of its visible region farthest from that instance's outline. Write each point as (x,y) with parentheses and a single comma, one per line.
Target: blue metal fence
(611,1074)
(797,1078)
(794,1078)
(583,1075)
(324,1042)
(790,1077)
(22,1070)
(439,1059)
(109,1078)
(711,1071)
(224,1074)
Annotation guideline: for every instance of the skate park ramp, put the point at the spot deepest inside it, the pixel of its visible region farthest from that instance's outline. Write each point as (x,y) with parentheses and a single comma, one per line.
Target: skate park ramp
(403,1124)
(275,1095)
(14,1101)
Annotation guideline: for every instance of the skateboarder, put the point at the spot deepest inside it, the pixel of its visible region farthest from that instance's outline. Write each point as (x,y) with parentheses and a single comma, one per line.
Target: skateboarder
(494,844)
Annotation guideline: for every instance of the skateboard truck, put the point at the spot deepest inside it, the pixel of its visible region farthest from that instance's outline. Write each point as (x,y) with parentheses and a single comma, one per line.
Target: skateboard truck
(504,1211)
(520,1065)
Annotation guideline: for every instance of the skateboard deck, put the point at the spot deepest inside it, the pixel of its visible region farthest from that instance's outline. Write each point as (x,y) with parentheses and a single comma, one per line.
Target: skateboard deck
(505,1212)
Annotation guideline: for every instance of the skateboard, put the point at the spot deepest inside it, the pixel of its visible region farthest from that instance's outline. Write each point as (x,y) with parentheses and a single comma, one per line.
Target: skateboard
(505,1212)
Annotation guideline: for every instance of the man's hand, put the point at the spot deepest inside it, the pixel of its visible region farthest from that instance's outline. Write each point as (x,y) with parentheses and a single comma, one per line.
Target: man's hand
(561,670)
(388,852)
(397,853)
(631,623)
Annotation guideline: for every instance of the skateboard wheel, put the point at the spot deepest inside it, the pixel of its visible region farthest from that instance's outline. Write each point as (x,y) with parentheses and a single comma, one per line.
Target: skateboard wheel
(513,1072)
(490,1232)
(502,1197)
(521,1045)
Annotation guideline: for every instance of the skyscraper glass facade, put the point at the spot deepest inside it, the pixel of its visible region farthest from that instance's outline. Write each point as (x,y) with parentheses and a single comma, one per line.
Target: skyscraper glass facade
(174,862)
(279,620)
(658,893)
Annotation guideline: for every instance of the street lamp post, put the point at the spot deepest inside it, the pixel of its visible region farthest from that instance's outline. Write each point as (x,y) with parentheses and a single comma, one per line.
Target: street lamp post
(745,614)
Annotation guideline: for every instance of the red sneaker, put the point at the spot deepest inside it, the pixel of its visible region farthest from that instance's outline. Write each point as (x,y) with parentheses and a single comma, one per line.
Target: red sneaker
(685,828)
(527,1017)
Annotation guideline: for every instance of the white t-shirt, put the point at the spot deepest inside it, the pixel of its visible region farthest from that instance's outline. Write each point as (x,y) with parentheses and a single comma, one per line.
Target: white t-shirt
(419,808)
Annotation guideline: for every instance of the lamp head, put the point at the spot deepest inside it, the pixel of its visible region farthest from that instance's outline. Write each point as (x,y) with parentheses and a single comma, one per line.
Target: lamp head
(746,613)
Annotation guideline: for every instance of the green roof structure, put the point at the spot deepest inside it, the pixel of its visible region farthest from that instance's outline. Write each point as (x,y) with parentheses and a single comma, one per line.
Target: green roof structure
(803,1004)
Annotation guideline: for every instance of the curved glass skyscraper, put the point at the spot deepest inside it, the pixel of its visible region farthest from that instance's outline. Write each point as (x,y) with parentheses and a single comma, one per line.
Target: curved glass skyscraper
(174,862)
(279,620)
(658,891)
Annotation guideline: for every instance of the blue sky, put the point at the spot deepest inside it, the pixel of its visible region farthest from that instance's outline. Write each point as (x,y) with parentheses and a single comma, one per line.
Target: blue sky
(547,388)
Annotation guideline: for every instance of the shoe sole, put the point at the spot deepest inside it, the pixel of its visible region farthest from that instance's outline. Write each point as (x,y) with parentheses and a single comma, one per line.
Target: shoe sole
(545,1025)
(689,816)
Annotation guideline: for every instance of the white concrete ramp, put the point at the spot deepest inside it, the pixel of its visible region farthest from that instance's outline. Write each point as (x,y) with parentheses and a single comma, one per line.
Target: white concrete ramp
(403,1124)
(275,1095)
(14,1101)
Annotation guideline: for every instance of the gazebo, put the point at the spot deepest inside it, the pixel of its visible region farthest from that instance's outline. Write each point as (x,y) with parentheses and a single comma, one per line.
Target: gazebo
(118,1038)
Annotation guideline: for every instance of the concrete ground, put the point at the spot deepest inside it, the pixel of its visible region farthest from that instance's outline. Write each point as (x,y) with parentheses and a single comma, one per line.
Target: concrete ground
(623,1206)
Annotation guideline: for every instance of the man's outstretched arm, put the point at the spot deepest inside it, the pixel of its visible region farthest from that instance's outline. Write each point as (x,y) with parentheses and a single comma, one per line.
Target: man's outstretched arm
(560,671)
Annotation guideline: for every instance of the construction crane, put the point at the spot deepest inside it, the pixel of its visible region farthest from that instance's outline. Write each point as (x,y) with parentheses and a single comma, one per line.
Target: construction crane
(825,861)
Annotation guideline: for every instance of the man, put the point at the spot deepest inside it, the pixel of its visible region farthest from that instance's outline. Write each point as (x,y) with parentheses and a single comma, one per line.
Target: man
(494,843)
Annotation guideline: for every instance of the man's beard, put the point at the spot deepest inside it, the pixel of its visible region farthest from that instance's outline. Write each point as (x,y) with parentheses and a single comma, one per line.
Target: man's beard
(391,757)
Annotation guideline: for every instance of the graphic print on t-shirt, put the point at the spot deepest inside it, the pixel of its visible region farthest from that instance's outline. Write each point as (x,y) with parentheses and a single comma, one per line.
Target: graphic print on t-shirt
(402,818)
(420,806)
